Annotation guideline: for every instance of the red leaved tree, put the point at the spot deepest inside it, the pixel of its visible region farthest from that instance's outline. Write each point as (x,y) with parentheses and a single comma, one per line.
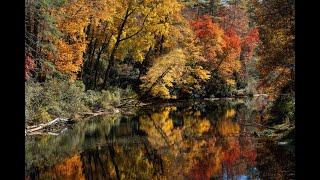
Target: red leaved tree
(29,66)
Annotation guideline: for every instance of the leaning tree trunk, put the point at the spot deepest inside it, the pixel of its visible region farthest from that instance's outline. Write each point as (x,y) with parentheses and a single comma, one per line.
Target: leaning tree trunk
(110,67)
(113,52)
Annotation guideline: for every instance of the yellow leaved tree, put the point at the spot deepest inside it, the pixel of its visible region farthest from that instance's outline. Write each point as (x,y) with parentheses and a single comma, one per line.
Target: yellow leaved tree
(173,71)
(70,21)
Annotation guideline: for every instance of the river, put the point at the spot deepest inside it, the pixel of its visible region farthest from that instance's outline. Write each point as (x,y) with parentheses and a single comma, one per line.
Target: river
(183,140)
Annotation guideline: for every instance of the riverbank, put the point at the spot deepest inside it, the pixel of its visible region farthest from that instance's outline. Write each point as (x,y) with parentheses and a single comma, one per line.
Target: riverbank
(282,134)
(60,124)
(126,107)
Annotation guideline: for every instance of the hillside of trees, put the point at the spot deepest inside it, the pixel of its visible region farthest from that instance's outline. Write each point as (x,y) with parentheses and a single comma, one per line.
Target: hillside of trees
(82,56)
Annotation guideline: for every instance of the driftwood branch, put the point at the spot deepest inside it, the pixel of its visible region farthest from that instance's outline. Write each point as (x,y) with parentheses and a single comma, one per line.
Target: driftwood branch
(96,113)
(41,126)
(260,95)
(41,133)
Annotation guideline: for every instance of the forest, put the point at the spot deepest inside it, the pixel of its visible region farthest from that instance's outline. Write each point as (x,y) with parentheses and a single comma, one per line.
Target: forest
(89,56)
(159,89)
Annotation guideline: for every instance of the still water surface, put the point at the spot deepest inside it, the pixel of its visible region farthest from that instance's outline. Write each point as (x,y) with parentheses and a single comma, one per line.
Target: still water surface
(186,140)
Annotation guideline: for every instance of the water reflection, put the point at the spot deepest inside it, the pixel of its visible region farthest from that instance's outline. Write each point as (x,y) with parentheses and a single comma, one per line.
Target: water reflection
(199,140)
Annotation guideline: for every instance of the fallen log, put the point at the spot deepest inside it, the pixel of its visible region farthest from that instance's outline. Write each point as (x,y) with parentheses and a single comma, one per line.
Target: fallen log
(29,127)
(256,95)
(54,134)
(41,126)
(92,114)
(43,133)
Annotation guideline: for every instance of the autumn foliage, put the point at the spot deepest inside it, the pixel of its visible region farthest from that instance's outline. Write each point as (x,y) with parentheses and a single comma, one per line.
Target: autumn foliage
(249,44)
(165,49)
(89,55)
(175,54)
(29,66)
(221,48)
(210,36)
(277,52)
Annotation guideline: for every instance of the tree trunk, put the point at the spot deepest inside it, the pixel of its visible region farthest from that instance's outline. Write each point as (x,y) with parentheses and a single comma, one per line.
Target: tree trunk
(91,55)
(108,70)
(96,70)
(104,46)
(113,52)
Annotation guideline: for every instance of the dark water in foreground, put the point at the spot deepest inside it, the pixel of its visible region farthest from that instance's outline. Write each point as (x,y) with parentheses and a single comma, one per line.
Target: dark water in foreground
(198,140)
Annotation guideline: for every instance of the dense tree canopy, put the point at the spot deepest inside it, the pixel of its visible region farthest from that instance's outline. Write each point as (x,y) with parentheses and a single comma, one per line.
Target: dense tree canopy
(277,33)
(164,48)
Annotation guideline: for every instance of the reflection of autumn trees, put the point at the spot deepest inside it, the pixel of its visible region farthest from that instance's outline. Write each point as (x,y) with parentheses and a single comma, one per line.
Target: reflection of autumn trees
(118,162)
(225,151)
(108,162)
(275,162)
(210,163)
(44,152)
(160,130)
(193,147)
(226,127)
(238,150)
(180,147)
(238,157)
(177,143)
(68,169)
